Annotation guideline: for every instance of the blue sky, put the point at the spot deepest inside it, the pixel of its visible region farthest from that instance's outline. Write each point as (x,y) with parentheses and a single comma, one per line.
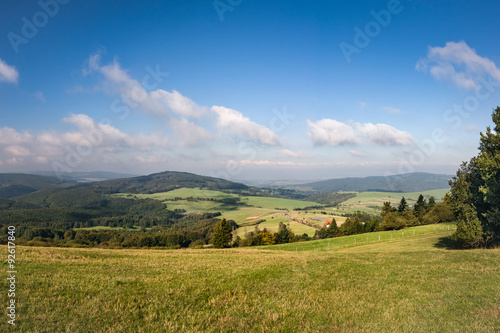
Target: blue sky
(246,89)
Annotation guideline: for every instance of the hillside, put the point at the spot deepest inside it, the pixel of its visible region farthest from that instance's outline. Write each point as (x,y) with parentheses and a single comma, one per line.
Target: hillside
(410,284)
(18,184)
(91,176)
(166,181)
(93,194)
(410,182)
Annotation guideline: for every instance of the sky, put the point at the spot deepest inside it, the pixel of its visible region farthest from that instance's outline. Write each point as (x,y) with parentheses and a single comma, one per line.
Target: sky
(246,90)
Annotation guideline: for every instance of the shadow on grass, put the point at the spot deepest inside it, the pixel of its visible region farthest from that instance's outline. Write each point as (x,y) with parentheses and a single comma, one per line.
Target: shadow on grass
(446,243)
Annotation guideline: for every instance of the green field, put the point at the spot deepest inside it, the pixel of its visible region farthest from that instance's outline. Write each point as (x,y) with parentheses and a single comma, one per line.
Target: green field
(253,210)
(370,202)
(250,210)
(415,284)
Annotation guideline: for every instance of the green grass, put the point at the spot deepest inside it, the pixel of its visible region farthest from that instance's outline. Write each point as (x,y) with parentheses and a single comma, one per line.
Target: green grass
(370,202)
(272,225)
(404,285)
(250,210)
(258,202)
(379,237)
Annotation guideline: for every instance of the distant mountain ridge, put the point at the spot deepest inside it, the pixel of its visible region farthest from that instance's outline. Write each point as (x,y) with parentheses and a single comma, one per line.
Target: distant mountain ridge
(91,176)
(410,182)
(166,181)
(18,184)
(154,183)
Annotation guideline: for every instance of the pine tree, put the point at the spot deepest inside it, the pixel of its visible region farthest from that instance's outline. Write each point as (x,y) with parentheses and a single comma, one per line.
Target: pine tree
(488,163)
(403,205)
(431,203)
(420,206)
(386,208)
(475,192)
(222,234)
(333,229)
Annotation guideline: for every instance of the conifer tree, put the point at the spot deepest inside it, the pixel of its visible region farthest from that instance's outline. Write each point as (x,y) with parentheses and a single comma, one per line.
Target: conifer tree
(475,192)
(222,234)
(403,205)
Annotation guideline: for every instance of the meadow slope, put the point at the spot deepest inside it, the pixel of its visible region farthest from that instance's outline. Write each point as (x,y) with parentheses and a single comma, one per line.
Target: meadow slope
(413,284)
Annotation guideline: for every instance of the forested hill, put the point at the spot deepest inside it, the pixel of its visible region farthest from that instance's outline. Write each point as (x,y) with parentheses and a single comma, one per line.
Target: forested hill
(166,181)
(17,184)
(410,182)
(158,182)
(91,204)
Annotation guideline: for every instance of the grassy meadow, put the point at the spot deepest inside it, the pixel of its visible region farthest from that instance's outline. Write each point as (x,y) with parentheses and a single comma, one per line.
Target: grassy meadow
(411,284)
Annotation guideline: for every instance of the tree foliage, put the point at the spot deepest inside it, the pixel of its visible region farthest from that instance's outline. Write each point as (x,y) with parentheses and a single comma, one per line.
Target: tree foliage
(284,234)
(420,206)
(222,234)
(475,192)
(403,205)
(351,227)
(328,231)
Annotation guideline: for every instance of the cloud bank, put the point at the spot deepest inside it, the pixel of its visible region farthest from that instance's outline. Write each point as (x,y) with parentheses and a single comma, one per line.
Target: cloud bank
(331,132)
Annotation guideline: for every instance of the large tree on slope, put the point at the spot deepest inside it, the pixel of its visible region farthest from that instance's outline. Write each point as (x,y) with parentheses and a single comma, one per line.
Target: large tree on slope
(475,192)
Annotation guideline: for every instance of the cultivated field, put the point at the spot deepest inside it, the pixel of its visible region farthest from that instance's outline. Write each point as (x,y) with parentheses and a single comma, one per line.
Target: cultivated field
(261,211)
(411,284)
(250,211)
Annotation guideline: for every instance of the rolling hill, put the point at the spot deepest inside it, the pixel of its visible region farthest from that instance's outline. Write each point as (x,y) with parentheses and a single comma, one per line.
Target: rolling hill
(91,176)
(166,181)
(18,184)
(83,194)
(410,182)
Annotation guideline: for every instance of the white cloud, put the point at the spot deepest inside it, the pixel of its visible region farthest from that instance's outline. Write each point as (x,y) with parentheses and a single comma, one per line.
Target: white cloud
(356,153)
(8,73)
(291,153)
(459,63)
(189,133)
(385,135)
(233,122)
(41,160)
(270,163)
(151,159)
(178,103)
(108,137)
(391,110)
(159,102)
(15,161)
(17,150)
(362,105)
(92,140)
(331,132)
(334,133)
(9,136)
